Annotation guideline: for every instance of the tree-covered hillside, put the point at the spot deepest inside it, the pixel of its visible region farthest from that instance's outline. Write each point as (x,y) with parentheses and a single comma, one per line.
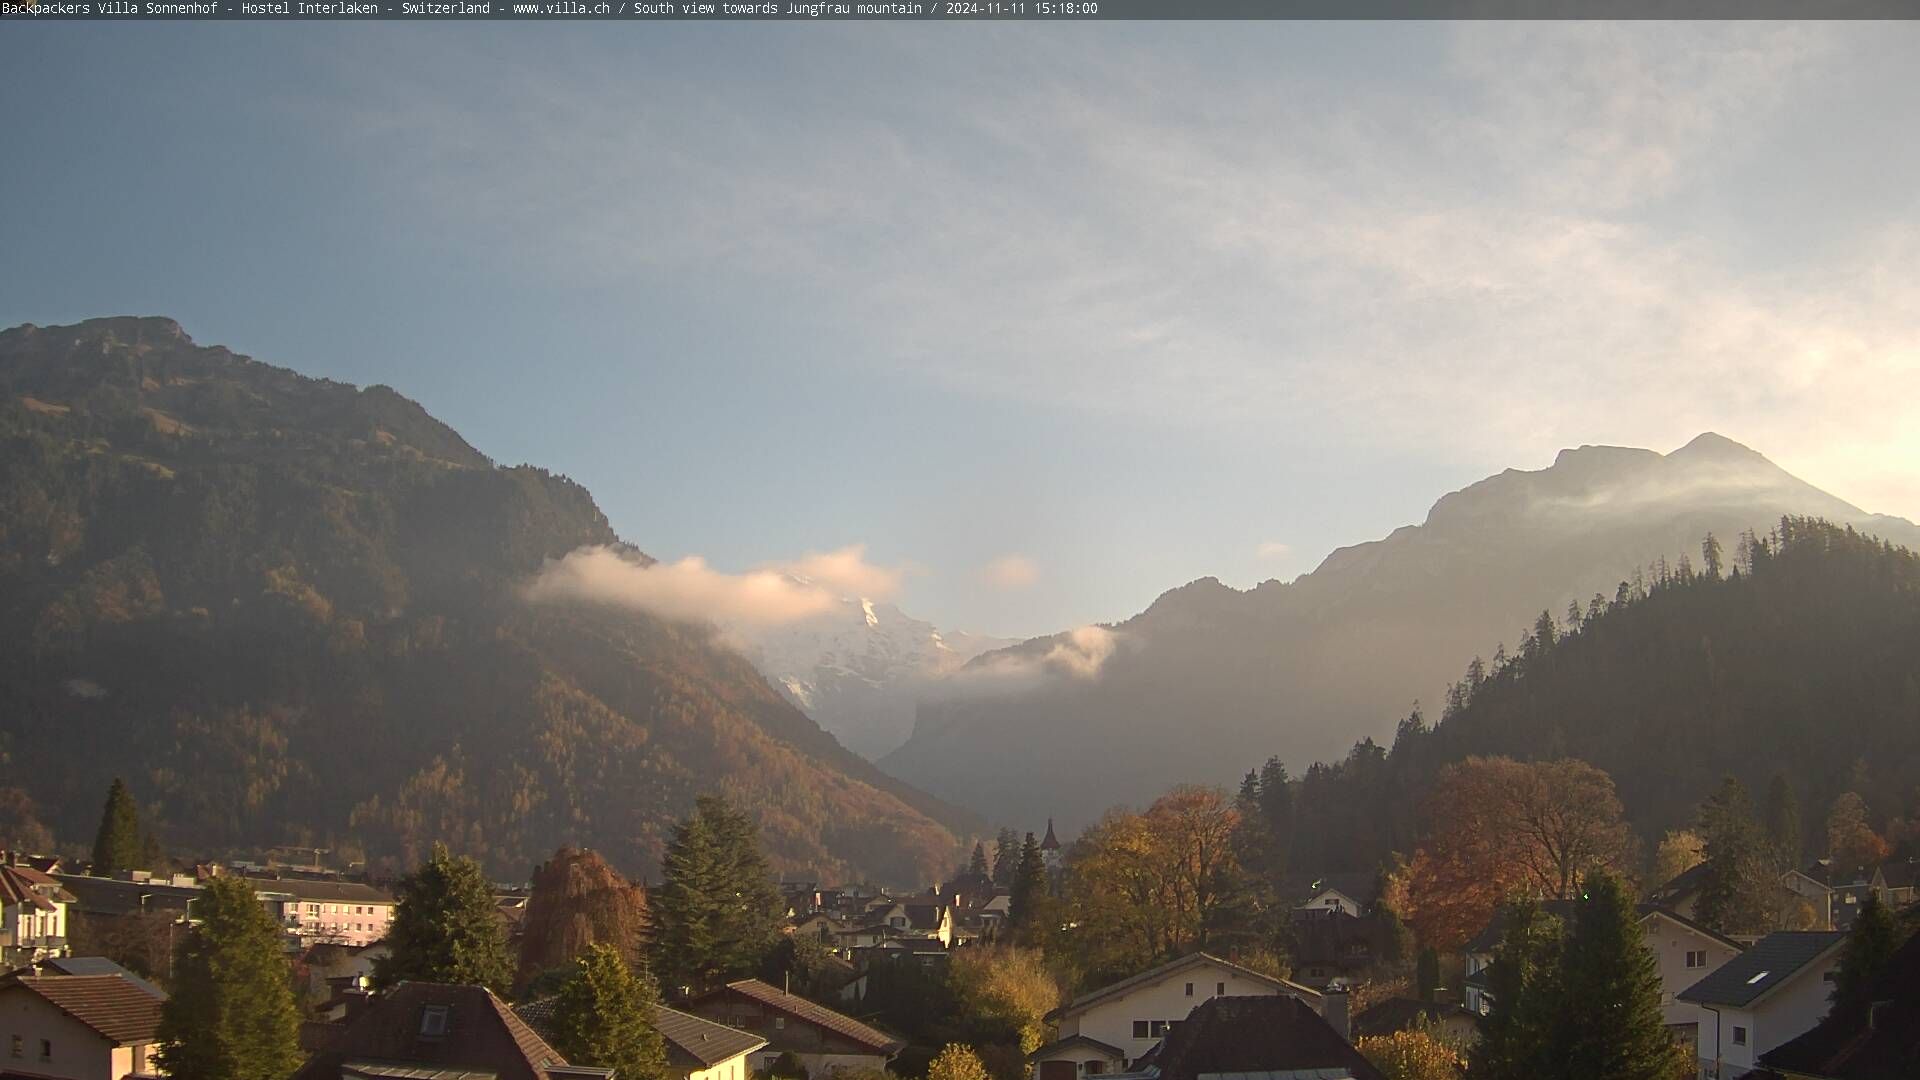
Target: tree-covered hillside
(1801,659)
(288,610)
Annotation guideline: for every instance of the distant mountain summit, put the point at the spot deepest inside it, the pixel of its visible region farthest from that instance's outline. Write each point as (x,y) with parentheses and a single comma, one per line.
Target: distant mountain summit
(860,668)
(1210,680)
(290,610)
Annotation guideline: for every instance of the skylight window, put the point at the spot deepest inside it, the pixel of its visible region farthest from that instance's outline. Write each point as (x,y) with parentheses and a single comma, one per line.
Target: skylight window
(1758,977)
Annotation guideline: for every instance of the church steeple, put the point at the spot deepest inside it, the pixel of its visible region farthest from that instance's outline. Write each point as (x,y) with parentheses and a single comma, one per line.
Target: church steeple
(1051,843)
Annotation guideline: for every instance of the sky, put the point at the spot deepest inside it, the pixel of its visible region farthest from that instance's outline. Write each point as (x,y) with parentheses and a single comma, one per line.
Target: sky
(1026,324)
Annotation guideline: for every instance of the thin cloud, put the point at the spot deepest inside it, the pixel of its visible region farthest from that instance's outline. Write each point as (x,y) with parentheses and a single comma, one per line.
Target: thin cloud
(689,590)
(1077,655)
(1011,572)
(1273,549)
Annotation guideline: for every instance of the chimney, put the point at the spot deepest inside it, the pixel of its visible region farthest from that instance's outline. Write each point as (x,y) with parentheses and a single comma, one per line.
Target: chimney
(1333,1009)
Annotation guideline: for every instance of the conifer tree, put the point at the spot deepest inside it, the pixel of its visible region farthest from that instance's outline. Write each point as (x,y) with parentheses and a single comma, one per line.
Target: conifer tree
(1783,820)
(604,1017)
(446,928)
(1610,1022)
(231,1015)
(116,846)
(1029,885)
(1870,944)
(1426,973)
(977,866)
(1737,896)
(718,911)
(1006,857)
(1516,1032)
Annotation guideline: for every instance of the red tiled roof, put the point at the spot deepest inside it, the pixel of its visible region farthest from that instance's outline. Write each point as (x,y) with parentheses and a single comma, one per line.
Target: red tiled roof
(819,1015)
(25,885)
(119,1011)
(481,1033)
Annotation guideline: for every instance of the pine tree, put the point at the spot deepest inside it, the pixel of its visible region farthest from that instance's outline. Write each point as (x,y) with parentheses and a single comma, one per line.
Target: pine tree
(603,1017)
(231,1015)
(116,846)
(1029,885)
(718,910)
(1737,895)
(446,928)
(1426,974)
(1610,1021)
(1870,944)
(977,866)
(1710,556)
(1516,1033)
(1006,857)
(1783,820)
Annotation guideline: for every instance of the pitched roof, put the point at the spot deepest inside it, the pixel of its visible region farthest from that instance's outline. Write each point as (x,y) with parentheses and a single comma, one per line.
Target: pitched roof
(1399,1014)
(1077,1040)
(1052,842)
(1881,1044)
(1770,962)
(1647,910)
(481,1035)
(100,965)
(1273,1034)
(701,1044)
(25,885)
(116,1009)
(811,1012)
(331,892)
(1190,960)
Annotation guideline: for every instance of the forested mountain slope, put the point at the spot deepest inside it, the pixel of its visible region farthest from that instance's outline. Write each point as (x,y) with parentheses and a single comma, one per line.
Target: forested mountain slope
(288,610)
(1209,678)
(1803,662)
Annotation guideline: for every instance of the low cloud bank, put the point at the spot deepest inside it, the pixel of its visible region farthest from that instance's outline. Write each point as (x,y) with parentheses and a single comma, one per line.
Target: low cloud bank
(690,590)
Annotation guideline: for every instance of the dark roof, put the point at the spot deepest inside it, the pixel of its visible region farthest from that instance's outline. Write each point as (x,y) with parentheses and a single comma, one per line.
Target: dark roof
(25,885)
(1858,1045)
(1771,961)
(119,1011)
(1077,1040)
(329,892)
(100,965)
(694,1043)
(1168,968)
(1903,874)
(111,896)
(1051,843)
(1704,931)
(1488,939)
(1256,1034)
(482,1035)
(810,1012)
(1399,1014)
(1690,880)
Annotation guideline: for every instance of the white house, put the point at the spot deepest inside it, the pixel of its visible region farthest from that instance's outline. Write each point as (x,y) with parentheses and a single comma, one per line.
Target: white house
(1762,998)
(77,1027)
(33,916)
(1686,952)
(1107,1029)
(1332,900)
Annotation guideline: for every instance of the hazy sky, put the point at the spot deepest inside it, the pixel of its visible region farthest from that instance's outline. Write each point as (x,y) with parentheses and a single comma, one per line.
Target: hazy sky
(1049,318)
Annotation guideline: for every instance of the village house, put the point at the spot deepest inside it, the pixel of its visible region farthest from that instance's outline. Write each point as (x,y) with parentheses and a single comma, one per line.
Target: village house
(1450,1019)
(1766,996)
(821,1040)
(33,916)
(78,1027)
(1105,1030)
(340,912)
(1270,1037)
(696,1049)
(923,917)
(1873,1043)
(433,1029)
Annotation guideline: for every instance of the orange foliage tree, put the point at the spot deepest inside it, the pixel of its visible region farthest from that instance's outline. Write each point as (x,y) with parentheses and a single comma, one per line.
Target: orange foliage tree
(1498,826)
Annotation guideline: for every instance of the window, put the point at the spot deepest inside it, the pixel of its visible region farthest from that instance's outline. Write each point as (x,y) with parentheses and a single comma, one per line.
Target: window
(1095,1068)
(1758,977)
(1220,989)
(1696,958)
(1189,989)
(46,1049)
(1157,1029)
(779,1023)
(1140,1029)
(1739,1035)
(19,1046)
(433,1021)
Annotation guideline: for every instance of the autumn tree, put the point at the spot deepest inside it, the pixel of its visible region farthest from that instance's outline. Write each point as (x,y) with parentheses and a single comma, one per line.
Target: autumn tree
(1678,852)
(1499,826)
(577,901)
(1007,991)
(231,1014)
(446,928)
(1737,896)
(1413,1054)
(718,911)
(957,1062)
(603,1016)
(1851,841)
(21,829)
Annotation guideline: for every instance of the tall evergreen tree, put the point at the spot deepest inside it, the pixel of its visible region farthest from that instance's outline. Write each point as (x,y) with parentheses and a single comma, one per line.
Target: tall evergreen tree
(1006,857)
(1783,820)
(231,1015)
(977,866)
(116,846)
(1029,885)
(1276,810)
(603,1017)
(1516,1034)
(1737,896)
(1870,944)
(1609,1019)
(446,928)
(718,910)
(1426,974)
